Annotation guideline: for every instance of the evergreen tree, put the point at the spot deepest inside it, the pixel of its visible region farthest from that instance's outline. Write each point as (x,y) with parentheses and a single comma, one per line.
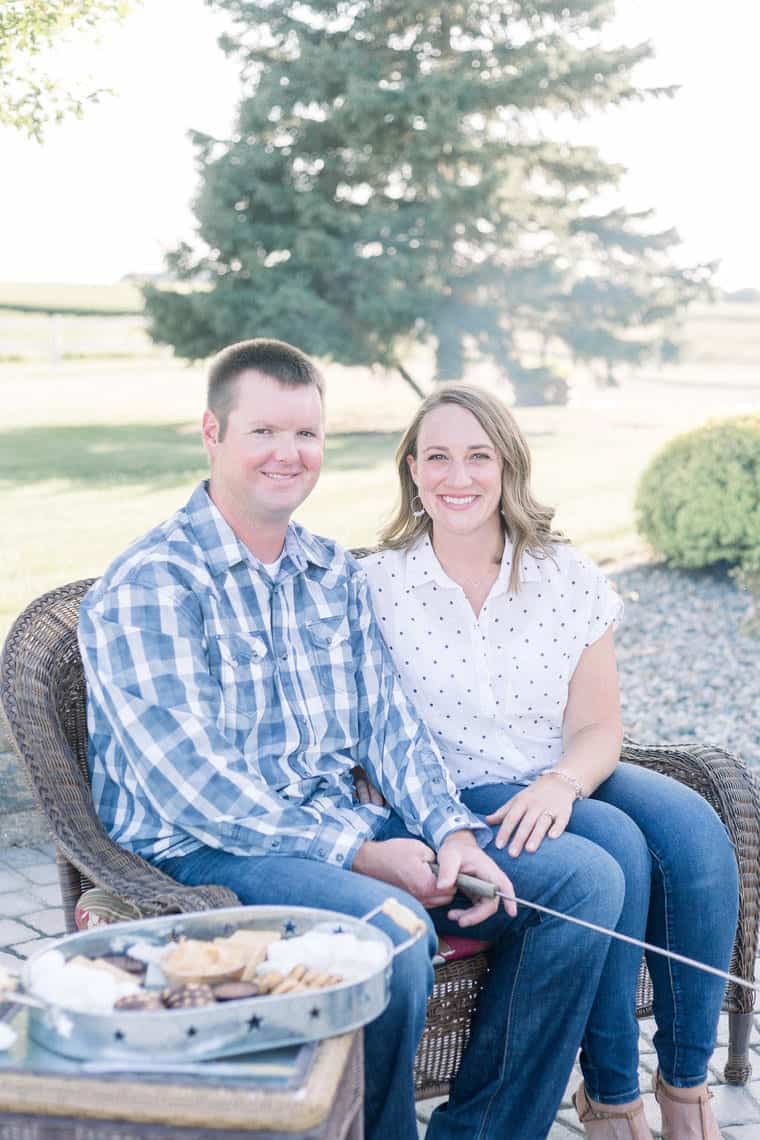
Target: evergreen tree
(393,177)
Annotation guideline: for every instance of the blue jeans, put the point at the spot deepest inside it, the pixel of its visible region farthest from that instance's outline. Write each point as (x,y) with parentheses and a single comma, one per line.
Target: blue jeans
(535,1004)
(682,894)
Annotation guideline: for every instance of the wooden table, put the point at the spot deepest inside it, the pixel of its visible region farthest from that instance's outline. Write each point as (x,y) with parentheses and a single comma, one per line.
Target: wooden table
(316,1093)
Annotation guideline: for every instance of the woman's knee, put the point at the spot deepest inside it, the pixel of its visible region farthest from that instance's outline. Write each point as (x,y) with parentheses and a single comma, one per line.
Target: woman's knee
(690,844)
(613,830)
(683,832)
(701,855)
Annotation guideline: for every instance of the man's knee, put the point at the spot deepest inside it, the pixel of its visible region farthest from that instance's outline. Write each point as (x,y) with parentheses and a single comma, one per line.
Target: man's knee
(595,887)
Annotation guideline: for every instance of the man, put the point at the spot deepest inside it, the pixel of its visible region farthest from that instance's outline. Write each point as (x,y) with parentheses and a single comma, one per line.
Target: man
(236,676)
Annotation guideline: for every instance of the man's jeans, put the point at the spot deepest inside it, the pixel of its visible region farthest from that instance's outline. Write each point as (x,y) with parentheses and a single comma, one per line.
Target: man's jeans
(545,973)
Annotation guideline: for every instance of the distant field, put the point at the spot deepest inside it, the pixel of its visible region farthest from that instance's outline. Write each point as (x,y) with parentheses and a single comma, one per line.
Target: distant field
(121,297)
(94,450)
(38,337)
(37,322)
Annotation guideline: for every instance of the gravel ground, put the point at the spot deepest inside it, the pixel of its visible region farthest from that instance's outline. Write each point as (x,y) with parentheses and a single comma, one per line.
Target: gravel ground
(687,670)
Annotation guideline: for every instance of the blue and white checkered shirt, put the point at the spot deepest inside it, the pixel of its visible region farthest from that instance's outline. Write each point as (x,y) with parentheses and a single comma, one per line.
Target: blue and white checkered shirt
(226,709)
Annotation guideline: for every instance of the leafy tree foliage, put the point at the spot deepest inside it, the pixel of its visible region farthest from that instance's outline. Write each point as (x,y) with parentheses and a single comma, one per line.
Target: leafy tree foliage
(395,175)
(29,97)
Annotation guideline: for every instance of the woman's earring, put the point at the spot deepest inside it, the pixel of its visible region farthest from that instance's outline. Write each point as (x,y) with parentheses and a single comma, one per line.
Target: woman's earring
(420,512)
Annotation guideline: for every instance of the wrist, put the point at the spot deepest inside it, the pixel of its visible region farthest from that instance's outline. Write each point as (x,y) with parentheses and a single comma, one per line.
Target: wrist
(459,839)
(364,858)
(568,778)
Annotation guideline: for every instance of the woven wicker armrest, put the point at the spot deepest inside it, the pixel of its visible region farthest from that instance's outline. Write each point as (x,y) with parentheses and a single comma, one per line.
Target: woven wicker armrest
(727,784)
(43,698)
(82,842)
(99,860)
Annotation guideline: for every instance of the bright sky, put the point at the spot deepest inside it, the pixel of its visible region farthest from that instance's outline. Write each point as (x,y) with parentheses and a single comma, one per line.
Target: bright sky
(106,195)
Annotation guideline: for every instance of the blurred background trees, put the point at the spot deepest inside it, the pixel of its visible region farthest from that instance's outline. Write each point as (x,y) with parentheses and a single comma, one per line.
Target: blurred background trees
(403,171)
(31,97)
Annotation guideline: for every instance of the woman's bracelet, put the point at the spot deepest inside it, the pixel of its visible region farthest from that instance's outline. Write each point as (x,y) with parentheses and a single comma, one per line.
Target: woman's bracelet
(569,778)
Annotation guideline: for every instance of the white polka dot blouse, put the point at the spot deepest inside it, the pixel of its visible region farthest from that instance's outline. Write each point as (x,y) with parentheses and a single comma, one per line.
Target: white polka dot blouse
(492,688)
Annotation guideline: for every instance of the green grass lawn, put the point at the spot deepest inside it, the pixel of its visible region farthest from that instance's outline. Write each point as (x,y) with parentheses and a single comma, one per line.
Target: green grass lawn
(95,451)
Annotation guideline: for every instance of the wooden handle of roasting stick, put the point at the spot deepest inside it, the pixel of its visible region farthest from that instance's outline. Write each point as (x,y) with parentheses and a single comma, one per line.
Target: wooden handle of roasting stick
(472,886)
(477,887)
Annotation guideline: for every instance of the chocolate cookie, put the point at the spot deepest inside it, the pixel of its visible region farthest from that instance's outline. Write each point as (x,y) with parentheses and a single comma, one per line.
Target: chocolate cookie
(235,991)
(188,995)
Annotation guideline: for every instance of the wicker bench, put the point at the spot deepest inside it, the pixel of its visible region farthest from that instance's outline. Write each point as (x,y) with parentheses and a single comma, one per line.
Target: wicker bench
(43,697)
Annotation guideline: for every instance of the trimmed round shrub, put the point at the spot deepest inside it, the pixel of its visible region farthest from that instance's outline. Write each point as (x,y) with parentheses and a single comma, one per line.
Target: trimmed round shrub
(698,501)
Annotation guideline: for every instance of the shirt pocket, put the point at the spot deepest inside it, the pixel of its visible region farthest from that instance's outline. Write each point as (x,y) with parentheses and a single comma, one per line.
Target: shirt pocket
(244,667)
(328,644)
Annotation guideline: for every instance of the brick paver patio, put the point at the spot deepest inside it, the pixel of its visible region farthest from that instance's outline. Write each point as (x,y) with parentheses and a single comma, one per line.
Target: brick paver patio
(31,918)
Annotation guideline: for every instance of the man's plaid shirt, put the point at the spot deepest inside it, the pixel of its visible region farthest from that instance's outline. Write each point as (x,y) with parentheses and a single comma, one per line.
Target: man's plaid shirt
(226,709)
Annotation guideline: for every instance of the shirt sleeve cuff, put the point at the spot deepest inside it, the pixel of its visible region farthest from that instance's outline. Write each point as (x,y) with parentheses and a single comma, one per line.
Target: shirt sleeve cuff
(450,817)
(337,846)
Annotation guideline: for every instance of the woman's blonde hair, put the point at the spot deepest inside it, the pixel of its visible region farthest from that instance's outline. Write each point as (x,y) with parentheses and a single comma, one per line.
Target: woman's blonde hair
(526,522)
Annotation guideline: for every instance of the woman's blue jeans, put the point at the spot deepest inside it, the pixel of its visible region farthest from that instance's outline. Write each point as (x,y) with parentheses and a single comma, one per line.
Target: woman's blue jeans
(682,894)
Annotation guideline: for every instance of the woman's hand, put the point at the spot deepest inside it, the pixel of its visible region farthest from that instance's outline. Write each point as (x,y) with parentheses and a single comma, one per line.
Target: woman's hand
(543,808)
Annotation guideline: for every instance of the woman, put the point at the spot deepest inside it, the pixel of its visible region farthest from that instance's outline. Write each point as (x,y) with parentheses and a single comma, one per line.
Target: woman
(503,636)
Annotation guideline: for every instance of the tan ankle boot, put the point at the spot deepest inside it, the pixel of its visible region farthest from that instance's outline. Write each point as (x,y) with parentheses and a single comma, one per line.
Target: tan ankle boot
(607,1122)
(684,1118)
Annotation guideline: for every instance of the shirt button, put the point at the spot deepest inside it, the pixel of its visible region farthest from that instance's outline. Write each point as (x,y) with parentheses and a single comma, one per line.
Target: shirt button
(275,843)
(322,852)
(338,858)
(283,654)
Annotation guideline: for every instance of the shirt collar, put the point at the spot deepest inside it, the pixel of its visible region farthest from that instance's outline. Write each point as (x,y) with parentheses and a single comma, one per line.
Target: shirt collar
(422,567)
(530,567)
(223,549)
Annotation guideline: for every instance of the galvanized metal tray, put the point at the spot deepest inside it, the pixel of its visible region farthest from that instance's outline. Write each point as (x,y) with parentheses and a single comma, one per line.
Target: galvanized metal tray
(224,1029)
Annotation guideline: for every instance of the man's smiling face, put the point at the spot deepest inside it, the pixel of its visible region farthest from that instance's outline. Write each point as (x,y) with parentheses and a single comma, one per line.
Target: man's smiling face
(269,457)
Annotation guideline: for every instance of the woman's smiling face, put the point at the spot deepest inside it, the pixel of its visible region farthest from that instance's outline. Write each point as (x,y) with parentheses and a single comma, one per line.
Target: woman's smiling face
(457,471)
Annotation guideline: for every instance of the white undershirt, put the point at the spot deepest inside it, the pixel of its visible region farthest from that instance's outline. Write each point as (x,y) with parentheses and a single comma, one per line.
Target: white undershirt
(272,568)
(492,688)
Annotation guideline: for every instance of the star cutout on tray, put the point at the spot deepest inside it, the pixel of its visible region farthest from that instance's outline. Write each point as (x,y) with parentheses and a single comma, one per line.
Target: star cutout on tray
(290,926)
(192,1031)
(118,1035)
(254,1022)
(314,1012)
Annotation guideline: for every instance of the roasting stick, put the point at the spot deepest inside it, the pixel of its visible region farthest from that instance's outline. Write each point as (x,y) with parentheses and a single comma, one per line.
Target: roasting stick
(478,887)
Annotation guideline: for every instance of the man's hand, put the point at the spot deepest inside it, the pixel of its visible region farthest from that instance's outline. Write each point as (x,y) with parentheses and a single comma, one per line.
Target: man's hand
(460,852)
(404,863)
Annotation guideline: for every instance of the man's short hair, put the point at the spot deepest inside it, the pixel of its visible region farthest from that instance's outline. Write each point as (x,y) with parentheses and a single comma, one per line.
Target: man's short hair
(274,358)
